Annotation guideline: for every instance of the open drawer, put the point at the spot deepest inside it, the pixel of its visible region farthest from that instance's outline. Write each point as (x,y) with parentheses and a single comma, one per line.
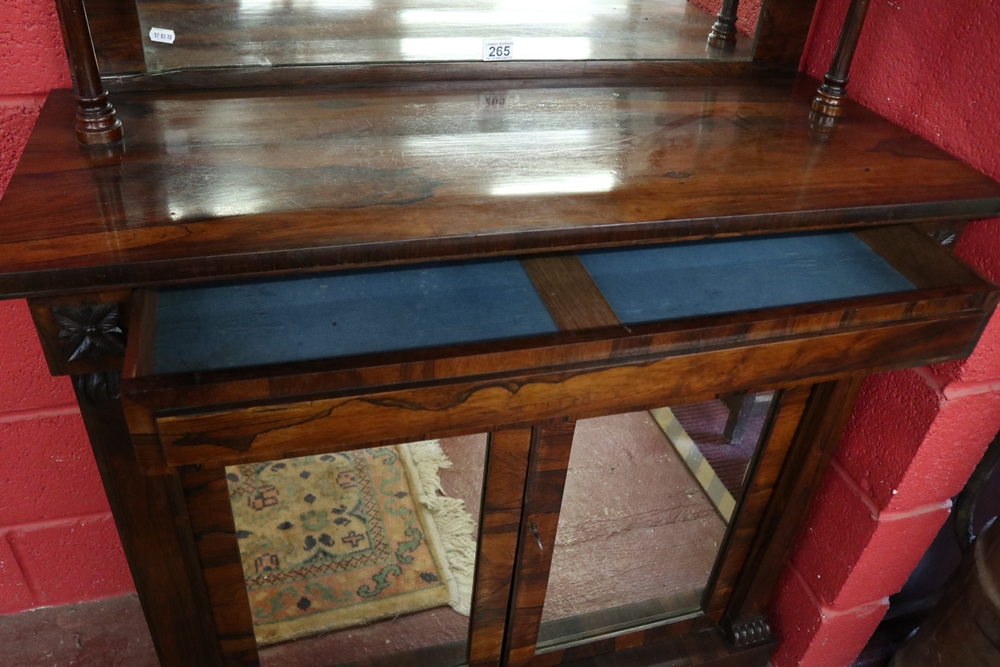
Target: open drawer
(224,374)
(227,382)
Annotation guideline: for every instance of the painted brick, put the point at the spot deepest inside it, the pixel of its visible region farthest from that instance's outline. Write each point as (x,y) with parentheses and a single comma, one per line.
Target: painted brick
(15,595)
(25,383)
(811,635)
(76,563)
(32,59)
(980,247)
(898,544)
(938,79)
(838,510)
(746,13)
(907,446)
(893,413)
(49,471)
(17,117)
(871,556)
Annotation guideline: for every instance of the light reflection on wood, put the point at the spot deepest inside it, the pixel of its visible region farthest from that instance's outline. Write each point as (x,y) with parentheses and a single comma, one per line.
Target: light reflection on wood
(301,32)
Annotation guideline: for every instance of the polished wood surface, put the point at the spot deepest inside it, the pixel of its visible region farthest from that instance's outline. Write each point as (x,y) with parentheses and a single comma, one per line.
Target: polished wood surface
(296,32)
(233,183)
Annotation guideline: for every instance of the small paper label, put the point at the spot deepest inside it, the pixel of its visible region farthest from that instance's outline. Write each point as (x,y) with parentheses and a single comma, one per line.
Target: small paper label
(498,49)
(164,35)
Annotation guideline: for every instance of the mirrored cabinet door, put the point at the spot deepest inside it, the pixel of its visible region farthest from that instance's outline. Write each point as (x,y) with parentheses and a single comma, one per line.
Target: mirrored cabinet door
(638,525)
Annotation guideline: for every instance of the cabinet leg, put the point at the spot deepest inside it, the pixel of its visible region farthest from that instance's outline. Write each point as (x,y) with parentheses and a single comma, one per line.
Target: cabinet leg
(150,514)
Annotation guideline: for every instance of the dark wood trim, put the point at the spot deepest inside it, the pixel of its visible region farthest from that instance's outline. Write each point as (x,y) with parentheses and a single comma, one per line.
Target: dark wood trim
(723,34)
(782,29)
(706,648)
(550,452)
(824,419)
(96,123)
(655,633)
(395,73)
(117,36)
(499,527)
(831,96)
(764,468)
(152,522)
(139,359)
(210,517)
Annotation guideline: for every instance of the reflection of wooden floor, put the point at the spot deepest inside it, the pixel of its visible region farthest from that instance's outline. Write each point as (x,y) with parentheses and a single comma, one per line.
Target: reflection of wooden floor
(634,523)
(309,32)
(635,534)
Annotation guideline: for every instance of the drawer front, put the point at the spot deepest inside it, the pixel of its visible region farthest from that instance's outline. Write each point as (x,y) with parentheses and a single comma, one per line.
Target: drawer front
(229,374)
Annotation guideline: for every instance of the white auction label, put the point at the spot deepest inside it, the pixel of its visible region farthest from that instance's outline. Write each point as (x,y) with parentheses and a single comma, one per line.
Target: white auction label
(164,35)
(498,49)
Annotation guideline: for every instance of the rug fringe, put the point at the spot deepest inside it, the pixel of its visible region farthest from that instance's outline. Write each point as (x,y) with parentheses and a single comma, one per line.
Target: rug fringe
(455,526)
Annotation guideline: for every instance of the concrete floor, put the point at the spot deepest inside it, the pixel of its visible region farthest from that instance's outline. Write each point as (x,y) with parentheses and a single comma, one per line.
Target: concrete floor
(634,527)
(109,633)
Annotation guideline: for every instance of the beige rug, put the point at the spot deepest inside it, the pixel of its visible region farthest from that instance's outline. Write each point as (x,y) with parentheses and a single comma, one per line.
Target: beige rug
(337,540)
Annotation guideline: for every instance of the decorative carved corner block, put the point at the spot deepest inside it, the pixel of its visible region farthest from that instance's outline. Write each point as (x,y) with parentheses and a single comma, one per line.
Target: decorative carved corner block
(750,631)
(90,331)
(99,387)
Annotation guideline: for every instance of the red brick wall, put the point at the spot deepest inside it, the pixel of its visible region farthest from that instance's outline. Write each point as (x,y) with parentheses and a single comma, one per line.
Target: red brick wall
(57,541)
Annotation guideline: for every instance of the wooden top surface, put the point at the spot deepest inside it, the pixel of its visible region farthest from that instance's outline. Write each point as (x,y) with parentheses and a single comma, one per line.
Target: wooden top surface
(238,182)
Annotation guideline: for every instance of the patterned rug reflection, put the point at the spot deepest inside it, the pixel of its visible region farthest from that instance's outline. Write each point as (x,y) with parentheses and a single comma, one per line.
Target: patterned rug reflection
(344,539)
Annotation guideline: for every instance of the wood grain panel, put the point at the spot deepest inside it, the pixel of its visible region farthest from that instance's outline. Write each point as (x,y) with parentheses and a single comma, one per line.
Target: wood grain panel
(918,257)
(542,502)
(114,25)
(295,429)
(500,524)
(151,518)
(205,204)
(573,299)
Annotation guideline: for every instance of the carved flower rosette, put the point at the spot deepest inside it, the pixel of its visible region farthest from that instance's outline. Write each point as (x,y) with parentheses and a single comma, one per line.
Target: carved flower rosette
(90,331)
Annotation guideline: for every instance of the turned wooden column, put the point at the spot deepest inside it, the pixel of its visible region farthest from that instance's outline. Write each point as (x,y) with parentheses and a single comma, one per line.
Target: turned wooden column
(723,33)
(96,123)
(832,95)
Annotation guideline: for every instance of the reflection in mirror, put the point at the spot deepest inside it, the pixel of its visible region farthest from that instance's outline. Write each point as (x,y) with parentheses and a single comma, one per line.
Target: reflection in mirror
(361,556)
(648,500)
(267,33)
